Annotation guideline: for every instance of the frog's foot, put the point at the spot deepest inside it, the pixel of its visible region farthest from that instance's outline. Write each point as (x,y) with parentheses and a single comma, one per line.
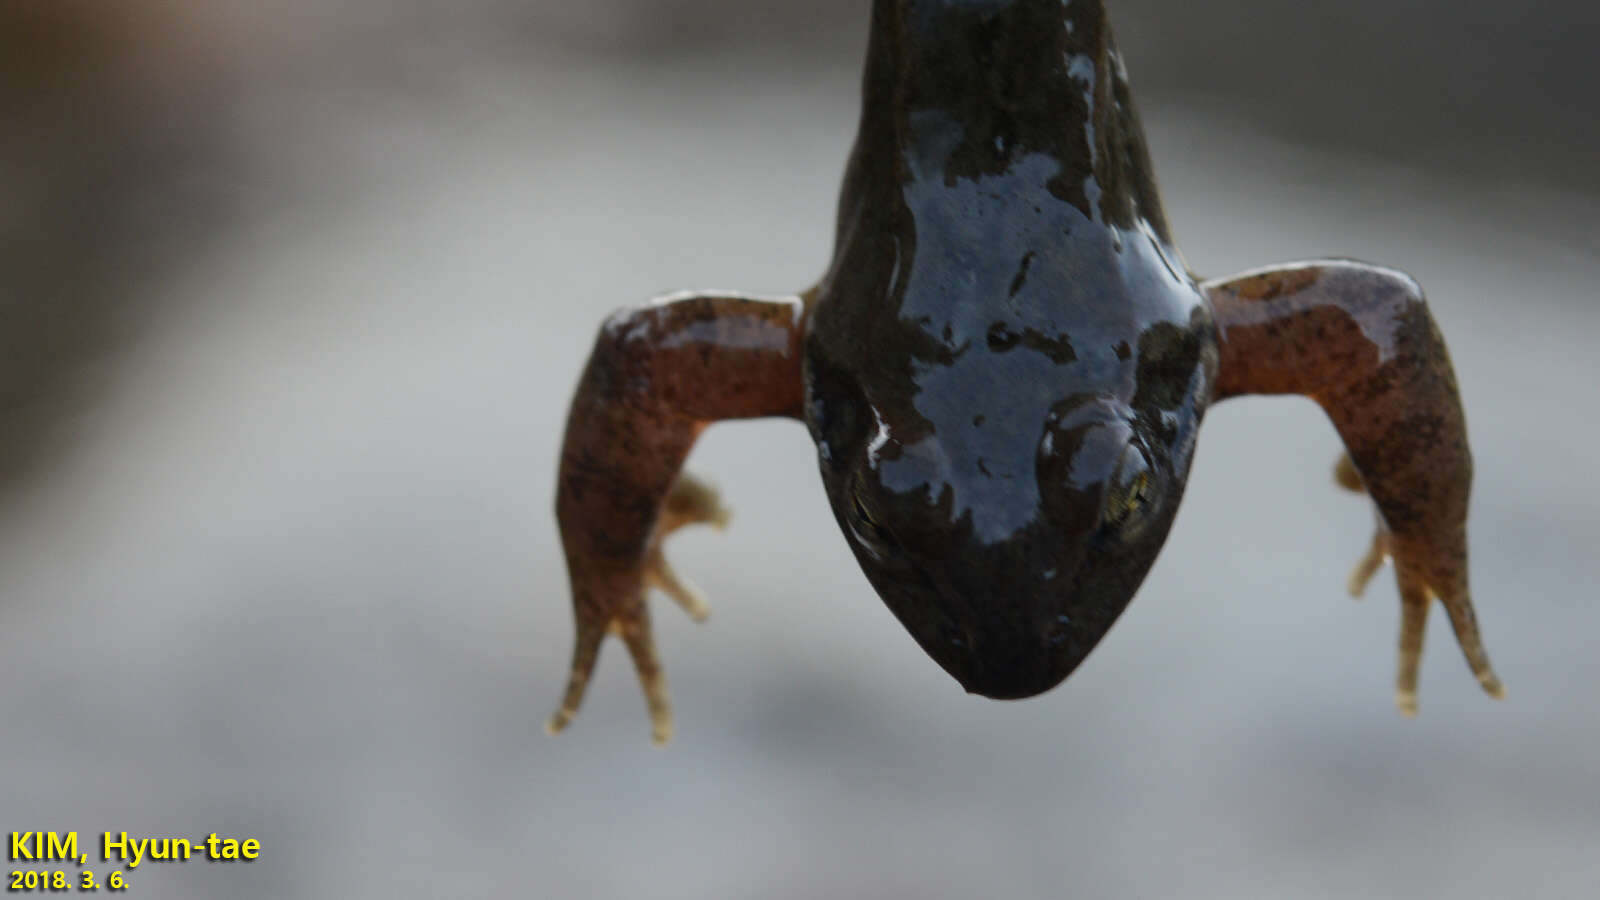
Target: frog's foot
(1416,596)
(689,502)
(658,375)
(1360,341)
(632,624)
(1420,584)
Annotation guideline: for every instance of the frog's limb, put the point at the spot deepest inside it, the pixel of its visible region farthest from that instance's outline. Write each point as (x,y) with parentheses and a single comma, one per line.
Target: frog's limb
(657,376)
(1358,339)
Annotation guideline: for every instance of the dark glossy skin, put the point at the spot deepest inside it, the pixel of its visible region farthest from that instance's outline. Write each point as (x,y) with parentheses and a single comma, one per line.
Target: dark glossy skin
(1007,362)
(1004,371)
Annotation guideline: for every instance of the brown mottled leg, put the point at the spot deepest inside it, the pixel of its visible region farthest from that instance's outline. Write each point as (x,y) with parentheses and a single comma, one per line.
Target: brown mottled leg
(657,376)
(1358,339)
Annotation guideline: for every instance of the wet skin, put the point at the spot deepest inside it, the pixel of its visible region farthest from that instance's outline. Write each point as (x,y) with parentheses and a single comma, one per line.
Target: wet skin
(1004,371)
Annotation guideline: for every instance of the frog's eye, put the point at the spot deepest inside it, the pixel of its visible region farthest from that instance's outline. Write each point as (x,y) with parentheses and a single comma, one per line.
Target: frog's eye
(868,530)
(1130,493)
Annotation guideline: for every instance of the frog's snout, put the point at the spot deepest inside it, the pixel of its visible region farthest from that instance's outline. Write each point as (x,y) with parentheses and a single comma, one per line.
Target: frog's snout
(1012,668)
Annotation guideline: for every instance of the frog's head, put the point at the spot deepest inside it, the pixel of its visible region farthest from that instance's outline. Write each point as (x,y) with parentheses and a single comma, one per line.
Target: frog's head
(1008,540)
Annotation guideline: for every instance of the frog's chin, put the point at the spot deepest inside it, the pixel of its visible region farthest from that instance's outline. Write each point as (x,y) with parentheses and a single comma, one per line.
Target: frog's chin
(1013,691)
(1012,679)
(999,663)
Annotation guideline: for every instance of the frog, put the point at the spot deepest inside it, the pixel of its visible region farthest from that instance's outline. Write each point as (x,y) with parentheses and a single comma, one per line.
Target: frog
(1004,370)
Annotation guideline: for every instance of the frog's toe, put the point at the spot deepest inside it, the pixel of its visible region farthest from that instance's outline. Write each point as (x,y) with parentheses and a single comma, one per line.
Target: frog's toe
(1346,476)
(660,574)
(1458,606)
(636,634)
(692,502)
(585,652)
(1428,566)
(689,502)
(632,625)
(1414,602)
(1417,593)
(1377,554)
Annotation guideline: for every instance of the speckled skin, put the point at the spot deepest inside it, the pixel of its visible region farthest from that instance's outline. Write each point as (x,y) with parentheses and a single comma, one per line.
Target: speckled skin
(1358,339)
(1004,371)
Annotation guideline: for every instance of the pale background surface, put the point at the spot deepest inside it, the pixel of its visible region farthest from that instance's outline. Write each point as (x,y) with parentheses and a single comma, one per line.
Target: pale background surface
(283,563)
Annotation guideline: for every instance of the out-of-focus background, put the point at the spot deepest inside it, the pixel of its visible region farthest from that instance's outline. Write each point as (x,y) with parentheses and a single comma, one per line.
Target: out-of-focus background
(292,298)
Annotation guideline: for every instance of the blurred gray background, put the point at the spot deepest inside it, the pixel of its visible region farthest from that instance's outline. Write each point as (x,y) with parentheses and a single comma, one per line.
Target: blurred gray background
(292,298)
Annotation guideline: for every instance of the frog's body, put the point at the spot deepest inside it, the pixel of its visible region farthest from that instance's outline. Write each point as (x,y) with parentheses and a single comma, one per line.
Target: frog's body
(1004,369)
(1004,293)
